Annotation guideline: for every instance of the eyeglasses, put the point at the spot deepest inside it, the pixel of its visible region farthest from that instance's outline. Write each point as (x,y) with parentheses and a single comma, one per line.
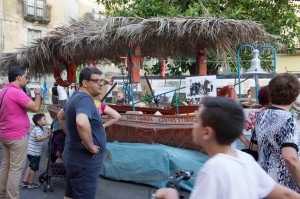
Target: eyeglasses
(26,77)
(96,81)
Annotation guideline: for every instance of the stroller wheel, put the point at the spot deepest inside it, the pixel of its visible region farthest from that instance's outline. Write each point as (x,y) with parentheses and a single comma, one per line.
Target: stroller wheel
(51,186)
(43,177)
(45,186)
(48,186)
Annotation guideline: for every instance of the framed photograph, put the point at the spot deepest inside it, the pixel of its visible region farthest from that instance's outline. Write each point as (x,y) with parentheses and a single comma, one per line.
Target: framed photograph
(201,86)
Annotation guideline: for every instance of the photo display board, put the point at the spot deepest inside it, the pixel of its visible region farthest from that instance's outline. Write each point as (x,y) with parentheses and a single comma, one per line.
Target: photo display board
(201,86)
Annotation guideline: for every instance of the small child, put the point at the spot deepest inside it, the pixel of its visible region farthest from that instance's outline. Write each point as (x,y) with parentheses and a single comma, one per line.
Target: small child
(35,142)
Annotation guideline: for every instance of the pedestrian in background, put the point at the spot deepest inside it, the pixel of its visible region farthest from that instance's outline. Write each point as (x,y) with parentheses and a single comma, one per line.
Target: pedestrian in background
(14,126)
(54,94)
(85,136)
(108,98)
(72,88)
(62,95)
(120,99)
(277,133)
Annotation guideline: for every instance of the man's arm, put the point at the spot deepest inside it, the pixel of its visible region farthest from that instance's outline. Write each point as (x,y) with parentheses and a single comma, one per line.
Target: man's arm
(35,105)
(61,120)
(281,192)
(290,157)
(85,133)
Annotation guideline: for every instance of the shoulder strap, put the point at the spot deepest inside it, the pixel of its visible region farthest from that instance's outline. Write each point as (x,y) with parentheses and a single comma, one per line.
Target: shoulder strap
(252,141)
(3,97)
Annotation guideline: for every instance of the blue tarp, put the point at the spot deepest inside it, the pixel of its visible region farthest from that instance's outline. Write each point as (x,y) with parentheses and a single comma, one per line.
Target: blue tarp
(150,164)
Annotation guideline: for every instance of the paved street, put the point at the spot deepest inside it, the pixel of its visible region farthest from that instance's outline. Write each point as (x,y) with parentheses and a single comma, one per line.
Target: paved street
(107,189)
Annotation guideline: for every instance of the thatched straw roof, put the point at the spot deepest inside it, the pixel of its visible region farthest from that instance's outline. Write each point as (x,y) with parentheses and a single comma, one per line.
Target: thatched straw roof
(109,38)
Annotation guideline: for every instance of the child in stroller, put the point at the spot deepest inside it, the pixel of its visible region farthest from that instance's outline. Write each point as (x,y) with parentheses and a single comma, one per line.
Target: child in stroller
(55,167)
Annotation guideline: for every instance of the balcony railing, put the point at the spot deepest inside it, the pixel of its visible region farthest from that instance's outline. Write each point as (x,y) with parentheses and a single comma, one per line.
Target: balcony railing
(36,10)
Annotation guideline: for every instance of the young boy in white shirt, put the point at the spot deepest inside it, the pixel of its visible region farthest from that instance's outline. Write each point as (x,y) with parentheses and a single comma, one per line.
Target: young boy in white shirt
(229,173)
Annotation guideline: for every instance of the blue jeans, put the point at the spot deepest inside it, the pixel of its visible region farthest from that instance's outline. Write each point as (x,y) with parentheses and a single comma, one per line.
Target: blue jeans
(81,183)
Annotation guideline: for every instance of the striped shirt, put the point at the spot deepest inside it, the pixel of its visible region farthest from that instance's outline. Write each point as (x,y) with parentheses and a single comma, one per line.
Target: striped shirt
(35,147)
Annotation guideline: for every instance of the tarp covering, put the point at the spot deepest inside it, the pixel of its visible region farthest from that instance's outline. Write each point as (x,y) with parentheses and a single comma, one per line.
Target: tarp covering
(150,164)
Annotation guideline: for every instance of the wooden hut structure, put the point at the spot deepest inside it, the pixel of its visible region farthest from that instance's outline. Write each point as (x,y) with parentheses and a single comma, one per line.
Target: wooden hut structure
(111,38)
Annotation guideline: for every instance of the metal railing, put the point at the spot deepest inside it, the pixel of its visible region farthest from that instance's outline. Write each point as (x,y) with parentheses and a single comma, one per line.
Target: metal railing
(175,92)
(153,97)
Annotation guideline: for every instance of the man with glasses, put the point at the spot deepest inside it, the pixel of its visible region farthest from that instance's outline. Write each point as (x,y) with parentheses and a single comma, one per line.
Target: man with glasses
(85,136)
(14,126)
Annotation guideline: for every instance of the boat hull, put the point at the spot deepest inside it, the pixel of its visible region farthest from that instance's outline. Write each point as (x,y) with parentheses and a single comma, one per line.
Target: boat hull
(152,110)
(172,130)
(169,130)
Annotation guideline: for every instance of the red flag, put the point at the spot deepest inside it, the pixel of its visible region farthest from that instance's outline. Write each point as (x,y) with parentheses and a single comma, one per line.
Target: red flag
(163,68)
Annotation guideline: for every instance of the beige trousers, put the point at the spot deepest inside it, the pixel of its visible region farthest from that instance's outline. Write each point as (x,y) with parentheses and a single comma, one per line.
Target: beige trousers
(13,163)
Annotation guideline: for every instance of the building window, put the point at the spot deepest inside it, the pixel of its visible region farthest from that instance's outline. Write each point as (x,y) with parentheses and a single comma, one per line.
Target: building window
(33,35)
(35,8)
(40,7)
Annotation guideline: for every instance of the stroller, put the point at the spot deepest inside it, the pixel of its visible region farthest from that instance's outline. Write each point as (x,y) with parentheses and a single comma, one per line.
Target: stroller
(54,168)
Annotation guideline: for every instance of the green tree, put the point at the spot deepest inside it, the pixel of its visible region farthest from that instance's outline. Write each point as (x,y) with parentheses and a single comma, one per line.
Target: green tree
(278,16)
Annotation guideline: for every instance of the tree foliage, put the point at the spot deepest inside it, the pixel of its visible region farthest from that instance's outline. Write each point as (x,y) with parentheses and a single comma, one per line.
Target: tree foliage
(278,16)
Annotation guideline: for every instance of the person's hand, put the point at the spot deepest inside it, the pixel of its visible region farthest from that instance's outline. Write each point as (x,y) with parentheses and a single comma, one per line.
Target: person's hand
(95,150)
(37,90)
(166,193)
(247,126)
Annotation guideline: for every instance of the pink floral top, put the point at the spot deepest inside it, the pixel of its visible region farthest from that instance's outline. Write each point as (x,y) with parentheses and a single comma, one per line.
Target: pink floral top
(100,106)
(251,119)
(101,109)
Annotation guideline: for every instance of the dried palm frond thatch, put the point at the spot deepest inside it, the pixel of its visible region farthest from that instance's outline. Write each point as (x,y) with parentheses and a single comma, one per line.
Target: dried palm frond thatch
(110,38)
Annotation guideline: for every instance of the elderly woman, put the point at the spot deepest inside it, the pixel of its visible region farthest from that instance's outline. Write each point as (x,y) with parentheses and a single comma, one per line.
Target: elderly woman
(277,133)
